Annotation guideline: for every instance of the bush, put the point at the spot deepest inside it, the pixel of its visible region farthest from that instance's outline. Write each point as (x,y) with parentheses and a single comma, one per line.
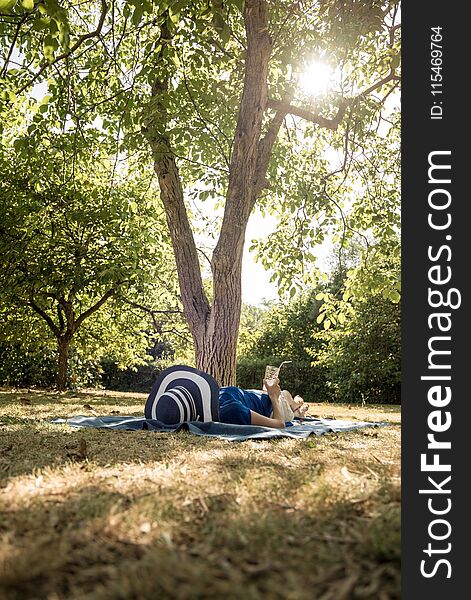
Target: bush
(362,358)
(284,332)
(139,379)
(22,367)
(358,361)
(26,368)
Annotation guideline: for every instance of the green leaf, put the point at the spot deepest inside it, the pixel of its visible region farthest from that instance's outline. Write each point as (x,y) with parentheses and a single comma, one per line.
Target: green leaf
(64,38)
(49,47)
(137,15)
(218,21)
(225,34)
(395,60)
(27,4)
(40,24)
(7,5)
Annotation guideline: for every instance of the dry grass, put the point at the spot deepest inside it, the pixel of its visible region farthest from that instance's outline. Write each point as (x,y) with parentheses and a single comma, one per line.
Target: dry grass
(93,514)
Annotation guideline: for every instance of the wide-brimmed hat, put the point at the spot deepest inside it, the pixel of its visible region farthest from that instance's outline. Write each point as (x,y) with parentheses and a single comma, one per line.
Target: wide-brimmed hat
(182,394)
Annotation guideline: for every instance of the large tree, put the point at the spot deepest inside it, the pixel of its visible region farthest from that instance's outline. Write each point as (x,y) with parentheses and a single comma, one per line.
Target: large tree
(212,87)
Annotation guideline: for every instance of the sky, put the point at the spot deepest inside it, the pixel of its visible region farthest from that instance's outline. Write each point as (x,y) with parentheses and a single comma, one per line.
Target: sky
(256,284)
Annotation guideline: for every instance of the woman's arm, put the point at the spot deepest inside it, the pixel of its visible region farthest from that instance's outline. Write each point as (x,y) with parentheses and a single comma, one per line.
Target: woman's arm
(258,419)
(278,422)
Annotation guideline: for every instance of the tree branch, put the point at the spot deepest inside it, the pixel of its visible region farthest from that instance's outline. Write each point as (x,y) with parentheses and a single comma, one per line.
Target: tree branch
(12,46)
(61,318)
(391,77)
(195,302)
(152,311)
(265,148)
(52,326)
(93,308)
(242,170)
(78,43)
(287,108)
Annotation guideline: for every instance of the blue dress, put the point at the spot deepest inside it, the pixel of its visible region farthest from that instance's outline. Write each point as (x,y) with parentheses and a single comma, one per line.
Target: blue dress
(235,405)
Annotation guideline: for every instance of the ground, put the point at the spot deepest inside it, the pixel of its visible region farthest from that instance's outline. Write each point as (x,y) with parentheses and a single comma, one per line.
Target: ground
(96,514)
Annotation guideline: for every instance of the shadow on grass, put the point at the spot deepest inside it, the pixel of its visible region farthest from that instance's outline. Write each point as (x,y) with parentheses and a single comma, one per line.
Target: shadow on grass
(110,515)
(94,545)
(32,446)
(46,397)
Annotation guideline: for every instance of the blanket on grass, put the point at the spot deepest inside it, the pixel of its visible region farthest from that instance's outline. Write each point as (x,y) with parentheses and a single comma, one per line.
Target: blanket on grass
(299,428)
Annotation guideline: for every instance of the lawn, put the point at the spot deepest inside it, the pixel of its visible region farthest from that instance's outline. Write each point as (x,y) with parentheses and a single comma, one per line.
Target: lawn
(95,514)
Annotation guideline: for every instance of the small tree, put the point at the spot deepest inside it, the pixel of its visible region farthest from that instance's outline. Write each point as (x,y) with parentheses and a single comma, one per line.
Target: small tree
(71,239)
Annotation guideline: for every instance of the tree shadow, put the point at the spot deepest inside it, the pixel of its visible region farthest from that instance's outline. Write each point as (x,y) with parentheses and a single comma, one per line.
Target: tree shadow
(32,446)
(79,547)
(32,397)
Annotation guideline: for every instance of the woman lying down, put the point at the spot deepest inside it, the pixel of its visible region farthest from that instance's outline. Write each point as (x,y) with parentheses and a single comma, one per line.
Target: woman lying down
(183,394)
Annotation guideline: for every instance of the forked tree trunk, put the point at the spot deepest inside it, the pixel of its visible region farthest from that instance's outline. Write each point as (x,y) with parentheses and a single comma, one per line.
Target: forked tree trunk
(215,328)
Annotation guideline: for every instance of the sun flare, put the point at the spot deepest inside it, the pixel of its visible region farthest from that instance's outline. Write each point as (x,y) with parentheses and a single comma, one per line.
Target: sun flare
(316,79)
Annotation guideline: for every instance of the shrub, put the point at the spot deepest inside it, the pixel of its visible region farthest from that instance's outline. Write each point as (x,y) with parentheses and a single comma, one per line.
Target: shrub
(26,368)
(362,358)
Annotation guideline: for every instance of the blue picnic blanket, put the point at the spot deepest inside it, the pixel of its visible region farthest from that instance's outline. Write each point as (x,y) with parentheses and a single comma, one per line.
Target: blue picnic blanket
(299,428)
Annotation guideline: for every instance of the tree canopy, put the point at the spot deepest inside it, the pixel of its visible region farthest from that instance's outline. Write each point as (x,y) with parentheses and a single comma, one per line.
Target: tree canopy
(209,93)
(73,238)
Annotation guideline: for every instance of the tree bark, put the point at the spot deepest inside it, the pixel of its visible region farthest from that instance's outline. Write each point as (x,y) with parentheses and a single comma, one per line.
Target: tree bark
(220,346)
(216,352)
(62,362)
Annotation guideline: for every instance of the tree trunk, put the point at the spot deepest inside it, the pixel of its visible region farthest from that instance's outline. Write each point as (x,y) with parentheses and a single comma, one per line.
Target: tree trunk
(215,328)
(68,325)
(62,363)
(216,352)
(220,343)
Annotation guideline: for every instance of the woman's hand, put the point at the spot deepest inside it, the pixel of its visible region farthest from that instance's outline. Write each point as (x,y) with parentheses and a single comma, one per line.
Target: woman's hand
(273,388)
(274,391)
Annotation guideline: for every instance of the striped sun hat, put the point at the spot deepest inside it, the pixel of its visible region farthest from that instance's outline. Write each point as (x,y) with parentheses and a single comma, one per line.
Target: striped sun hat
(183,394)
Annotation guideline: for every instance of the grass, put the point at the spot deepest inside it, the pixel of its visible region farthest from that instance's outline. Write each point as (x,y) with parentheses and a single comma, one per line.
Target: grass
(95,515)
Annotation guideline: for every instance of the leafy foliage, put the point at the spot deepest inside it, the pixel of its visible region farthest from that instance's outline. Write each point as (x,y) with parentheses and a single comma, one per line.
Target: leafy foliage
(285,333)
(361,357)
(355,357)
(81,239)
(331,174)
